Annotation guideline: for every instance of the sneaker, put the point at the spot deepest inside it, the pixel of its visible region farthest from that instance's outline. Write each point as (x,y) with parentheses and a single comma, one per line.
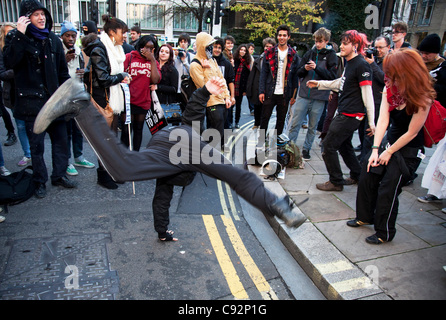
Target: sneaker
(4,172)
(24,162)
(82,162)
(12,138)
(64,182)
(306,155)
(428,198)
(71,170)
(2,218)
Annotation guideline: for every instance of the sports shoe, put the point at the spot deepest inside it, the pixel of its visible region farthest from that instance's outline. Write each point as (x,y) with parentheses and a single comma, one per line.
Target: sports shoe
(12,138)
(82,162)
(64,182)
(2,218)
(4,172)
(428,198)
(306,155)
(71,170)
(24,162)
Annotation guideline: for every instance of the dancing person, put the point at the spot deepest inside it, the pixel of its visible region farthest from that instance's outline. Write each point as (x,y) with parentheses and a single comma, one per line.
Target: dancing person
(407,97)
(171,151)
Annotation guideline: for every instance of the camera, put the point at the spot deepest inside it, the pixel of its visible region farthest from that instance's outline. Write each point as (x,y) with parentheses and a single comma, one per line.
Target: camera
(371,51)
(181,53)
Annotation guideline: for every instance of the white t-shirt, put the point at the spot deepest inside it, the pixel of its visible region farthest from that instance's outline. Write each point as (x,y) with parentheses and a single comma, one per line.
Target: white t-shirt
(280,66)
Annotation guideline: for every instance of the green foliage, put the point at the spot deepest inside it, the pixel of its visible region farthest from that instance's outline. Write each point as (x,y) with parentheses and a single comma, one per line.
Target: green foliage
(264,17)
(343,15)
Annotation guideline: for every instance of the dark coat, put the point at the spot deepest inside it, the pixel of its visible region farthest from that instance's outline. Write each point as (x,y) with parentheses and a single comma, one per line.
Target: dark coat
(39,65)
(168,86)
(100,64)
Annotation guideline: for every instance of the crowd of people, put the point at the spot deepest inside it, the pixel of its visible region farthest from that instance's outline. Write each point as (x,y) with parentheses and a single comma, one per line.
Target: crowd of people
(382,89)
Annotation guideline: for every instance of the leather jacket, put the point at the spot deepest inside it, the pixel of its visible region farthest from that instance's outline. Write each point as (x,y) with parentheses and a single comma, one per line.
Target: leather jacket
(100,64)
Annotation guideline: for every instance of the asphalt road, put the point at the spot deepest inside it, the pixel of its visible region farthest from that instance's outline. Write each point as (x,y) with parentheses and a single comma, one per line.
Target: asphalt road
(93,243)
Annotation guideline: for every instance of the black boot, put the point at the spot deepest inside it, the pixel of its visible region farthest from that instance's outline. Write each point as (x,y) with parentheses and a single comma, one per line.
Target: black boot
(284,209)
(105,180)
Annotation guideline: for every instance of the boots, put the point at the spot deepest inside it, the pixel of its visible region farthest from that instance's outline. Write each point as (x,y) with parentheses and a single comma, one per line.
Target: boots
(284,210)
(105,180)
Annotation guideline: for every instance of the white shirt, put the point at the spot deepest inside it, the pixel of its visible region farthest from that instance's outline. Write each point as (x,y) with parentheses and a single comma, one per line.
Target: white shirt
(280,66)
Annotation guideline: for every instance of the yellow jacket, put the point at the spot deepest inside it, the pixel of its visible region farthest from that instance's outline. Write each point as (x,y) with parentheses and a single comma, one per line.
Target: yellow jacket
(200,75)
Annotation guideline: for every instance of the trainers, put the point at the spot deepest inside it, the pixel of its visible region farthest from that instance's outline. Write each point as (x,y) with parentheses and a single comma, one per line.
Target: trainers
(2,218)
(4,172)
(428,198)
(306,155)
(82,162)
(12,138)
(71,170)
(24,162)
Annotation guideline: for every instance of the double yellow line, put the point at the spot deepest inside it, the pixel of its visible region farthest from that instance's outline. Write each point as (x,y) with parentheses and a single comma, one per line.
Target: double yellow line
(226,265)
(229,271)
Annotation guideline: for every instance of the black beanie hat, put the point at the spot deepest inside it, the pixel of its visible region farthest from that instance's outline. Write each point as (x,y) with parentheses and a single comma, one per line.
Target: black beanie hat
(431,43)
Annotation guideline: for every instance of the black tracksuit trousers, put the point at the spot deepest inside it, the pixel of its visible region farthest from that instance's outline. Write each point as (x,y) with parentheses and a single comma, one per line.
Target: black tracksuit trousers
(378,191)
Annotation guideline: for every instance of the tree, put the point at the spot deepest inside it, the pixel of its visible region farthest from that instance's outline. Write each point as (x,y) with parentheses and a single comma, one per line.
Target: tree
(197,7)
(343,15)
(264,17)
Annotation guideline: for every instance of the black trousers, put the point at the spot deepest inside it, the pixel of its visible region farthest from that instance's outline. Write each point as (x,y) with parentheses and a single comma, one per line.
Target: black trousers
(163,196)
(57,131)
(339,138)
(216,117)
(170,151)
(267,110)
(378,191)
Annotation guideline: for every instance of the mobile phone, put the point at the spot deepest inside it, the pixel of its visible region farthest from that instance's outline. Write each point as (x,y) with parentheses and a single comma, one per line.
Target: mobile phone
(71,51)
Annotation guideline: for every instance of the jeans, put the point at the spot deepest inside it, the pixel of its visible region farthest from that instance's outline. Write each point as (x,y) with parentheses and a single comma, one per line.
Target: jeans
(21,132)
(301,108)
(267,110)
(339,138)
(59,153)
(75,137)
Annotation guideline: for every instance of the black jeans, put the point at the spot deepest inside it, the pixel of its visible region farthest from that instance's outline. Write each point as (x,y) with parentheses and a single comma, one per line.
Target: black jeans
(216,117)
(339,138)
(267,110)
(59,150)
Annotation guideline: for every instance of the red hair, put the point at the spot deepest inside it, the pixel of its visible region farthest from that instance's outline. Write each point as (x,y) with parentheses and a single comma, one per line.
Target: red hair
(355,38)
(407,71)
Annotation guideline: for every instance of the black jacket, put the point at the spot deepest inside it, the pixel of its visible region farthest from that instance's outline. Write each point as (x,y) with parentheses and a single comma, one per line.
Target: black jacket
(39,65)
(100,64)
(168,86)
(252,88)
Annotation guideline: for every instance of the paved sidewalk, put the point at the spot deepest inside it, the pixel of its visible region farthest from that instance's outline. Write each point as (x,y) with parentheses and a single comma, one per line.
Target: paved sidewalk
(337,257)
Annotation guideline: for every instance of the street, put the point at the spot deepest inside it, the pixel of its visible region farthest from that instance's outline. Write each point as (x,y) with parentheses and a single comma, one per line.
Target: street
(90,243)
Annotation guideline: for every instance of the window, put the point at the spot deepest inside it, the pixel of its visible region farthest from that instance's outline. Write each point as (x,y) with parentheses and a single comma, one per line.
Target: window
(426,12)
(10,10)
(413,10)
(184,21)
(84,10)
(147,16)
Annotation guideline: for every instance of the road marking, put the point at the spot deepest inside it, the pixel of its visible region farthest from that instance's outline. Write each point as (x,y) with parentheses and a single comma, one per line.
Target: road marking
(233,280)
(222,199)
(256,275)
(231,202)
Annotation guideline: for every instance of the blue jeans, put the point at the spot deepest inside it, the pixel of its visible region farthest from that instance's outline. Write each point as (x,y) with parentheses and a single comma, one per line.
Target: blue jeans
(21,132)
(301,108)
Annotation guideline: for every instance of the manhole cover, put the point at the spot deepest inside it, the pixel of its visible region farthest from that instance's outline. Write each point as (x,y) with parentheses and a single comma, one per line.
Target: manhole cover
(59,268)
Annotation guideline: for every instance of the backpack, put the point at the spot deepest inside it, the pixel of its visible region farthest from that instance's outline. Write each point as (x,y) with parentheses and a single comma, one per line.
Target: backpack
(435,125)
(17,187)
(187,84)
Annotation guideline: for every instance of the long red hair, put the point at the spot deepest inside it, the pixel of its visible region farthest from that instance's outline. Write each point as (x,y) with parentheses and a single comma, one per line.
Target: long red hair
(407,71)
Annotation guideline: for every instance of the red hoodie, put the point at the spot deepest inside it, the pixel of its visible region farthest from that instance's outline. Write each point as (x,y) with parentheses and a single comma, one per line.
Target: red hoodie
(140,70)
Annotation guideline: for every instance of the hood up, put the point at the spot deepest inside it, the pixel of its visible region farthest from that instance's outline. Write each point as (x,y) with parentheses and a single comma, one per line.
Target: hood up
(27,7)
(203,41)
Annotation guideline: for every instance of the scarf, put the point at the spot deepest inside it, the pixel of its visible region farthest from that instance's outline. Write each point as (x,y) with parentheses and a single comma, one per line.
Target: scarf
(116,58)
(238,75)
(394,98)
(272,56)
(37,33)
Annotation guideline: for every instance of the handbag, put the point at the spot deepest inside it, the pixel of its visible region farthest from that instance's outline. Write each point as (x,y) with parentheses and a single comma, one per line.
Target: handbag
(435,125)
(106,112)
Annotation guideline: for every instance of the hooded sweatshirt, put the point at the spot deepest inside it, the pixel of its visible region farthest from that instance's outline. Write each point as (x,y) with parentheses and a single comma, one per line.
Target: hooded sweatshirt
(201,75)
(140,69)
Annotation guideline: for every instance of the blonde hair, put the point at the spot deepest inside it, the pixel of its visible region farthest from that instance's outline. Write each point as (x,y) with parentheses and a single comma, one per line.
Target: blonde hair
(3,32)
